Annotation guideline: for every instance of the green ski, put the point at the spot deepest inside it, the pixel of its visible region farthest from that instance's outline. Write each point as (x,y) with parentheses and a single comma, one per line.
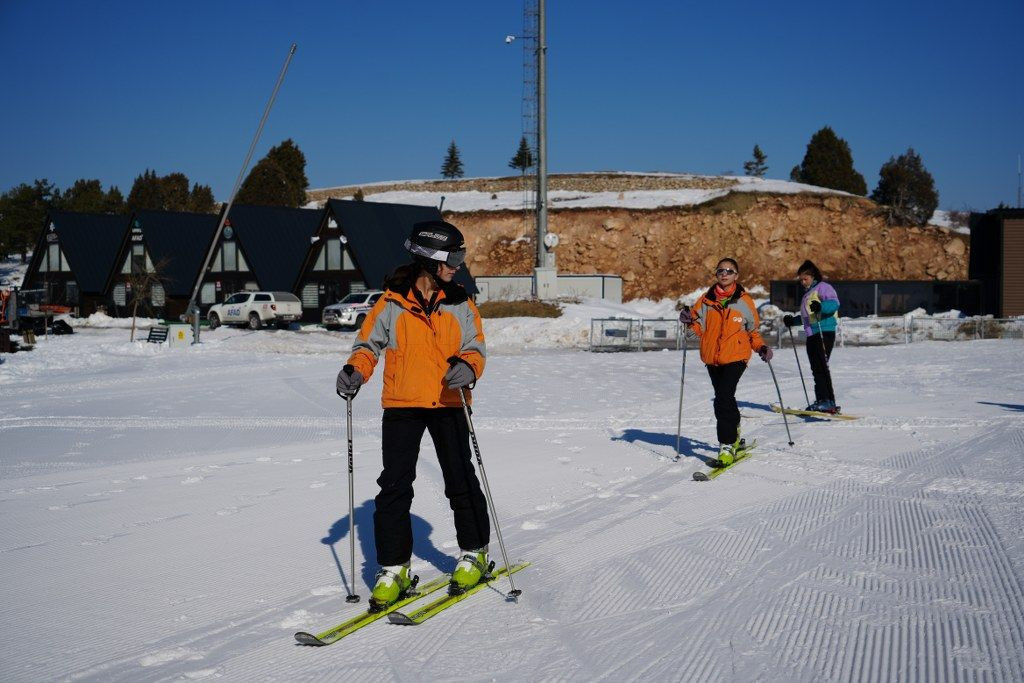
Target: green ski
(741,454)
(335,634)
(444,602)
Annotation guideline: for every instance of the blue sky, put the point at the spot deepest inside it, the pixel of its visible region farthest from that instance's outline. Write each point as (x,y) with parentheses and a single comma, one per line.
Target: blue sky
(377,90)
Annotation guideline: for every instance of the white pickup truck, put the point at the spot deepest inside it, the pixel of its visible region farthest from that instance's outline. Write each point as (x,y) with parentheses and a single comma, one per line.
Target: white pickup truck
(256,309)
(350,311)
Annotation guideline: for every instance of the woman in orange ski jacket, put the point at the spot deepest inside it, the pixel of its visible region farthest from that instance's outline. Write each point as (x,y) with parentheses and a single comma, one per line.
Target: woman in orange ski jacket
(418,344)
(726,321)
(429,334)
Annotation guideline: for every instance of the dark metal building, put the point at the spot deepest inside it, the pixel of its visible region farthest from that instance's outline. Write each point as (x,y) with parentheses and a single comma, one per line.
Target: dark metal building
(261,248)
(171,244)
(358,245)
(997,260)
(75,258)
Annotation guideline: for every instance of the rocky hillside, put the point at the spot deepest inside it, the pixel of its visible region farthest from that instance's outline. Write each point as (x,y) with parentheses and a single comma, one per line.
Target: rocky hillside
(666,251)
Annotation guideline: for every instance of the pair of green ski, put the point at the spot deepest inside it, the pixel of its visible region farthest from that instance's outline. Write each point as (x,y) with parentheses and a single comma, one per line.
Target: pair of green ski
(742,453)
(418,616)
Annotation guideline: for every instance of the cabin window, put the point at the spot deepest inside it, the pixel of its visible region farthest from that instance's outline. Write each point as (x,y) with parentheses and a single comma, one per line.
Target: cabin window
(347,263)
(72,292)
(310,296)
(156,295)
(229,259)
(208,293)
(119,294)
(333,254)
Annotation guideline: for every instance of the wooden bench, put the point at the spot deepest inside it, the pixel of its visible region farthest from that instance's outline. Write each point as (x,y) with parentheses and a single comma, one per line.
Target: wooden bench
(157,334)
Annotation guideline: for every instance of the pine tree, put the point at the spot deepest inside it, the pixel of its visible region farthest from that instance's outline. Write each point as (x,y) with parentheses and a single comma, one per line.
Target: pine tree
(146,193)
(200,199)
(278,179)
(266,185)
(292,161)
(22,212)
(174,192)
(906,186)
(523,158)
(829,163)
(452,167)
(84,195)
(113,202)
(756,166)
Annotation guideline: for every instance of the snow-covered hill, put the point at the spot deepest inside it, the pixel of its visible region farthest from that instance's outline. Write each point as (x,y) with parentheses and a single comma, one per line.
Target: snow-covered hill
(177,514)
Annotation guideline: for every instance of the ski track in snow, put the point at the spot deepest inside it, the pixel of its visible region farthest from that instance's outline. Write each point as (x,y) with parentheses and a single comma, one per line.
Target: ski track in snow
(183,519)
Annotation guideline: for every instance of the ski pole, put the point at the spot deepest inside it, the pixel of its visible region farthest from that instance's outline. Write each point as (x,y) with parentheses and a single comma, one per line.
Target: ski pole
(792,343)
(352,597)
(782,406)
(682,380)
(487,490)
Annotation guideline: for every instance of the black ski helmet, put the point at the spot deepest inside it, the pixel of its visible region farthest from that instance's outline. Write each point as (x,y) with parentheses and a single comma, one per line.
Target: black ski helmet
(434,242)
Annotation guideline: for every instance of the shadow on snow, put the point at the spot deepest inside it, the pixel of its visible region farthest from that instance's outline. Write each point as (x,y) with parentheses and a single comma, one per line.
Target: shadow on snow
(422,548)
(687,447)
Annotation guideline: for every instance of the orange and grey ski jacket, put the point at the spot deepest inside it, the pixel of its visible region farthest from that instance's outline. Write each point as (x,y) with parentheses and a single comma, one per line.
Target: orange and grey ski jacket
(417,344)
(727,329)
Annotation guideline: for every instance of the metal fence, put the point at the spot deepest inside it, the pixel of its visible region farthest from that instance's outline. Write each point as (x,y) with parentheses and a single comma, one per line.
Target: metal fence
(630,334)
(653,334)
(872,331)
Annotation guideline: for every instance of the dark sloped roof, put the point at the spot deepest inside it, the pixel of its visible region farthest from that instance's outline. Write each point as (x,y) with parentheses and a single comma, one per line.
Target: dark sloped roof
(276,240)
(376,234)
(180,242)
(91,243)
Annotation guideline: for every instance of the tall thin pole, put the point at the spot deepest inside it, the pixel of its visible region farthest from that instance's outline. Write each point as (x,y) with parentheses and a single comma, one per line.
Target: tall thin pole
(542,137)
(352,597)
(193,309)
(682,384)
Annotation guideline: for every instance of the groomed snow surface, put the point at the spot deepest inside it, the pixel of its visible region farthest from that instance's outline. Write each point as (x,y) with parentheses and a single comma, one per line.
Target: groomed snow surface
(176,514)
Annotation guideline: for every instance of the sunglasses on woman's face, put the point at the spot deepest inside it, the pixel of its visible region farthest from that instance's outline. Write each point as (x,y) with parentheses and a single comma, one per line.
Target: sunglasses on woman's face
(725,271)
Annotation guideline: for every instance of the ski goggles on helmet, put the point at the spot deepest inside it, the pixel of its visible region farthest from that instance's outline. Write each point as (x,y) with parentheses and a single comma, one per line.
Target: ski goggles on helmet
(453,258)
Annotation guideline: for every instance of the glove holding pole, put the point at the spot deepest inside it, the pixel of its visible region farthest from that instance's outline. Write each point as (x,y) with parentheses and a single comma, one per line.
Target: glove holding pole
(348,382)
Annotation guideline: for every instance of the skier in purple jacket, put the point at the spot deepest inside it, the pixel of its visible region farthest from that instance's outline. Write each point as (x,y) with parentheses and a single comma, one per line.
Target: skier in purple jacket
(819,310)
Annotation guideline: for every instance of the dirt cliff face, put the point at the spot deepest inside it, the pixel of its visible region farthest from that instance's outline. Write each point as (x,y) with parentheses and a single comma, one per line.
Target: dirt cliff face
(672,251)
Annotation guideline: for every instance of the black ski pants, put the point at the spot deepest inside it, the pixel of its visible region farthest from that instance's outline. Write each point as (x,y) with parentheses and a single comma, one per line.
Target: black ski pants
(725,378)
(819,350)
(402,432)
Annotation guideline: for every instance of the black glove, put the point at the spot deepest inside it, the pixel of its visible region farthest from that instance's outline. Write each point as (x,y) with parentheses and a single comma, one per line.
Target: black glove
(815,306)
(790,320)
(766,353)
(460,374)
(349,381)
(686,315)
